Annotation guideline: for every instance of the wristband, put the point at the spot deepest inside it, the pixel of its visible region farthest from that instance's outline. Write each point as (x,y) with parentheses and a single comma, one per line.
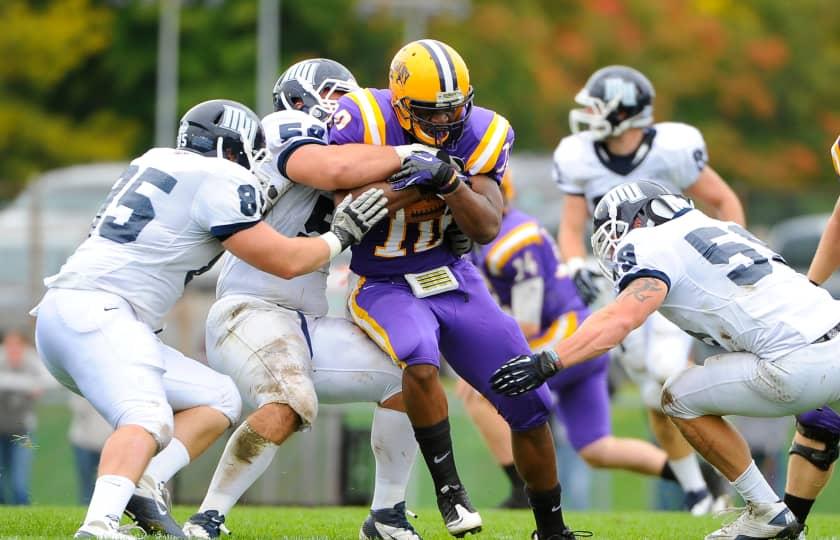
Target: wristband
(574,264)
(334,244)
(451,185)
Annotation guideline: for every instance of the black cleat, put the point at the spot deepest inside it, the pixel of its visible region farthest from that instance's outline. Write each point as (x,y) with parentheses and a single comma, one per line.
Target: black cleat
(458,513)
(149,507)
(207,524)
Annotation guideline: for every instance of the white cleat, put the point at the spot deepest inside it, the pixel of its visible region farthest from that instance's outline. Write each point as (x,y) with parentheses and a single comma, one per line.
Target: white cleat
(107,528)
(458,513)
(760,521)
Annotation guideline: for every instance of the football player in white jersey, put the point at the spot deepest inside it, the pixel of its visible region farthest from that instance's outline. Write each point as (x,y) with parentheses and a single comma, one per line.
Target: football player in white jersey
(717,282)
(272,336)
(168,217)
(614,141)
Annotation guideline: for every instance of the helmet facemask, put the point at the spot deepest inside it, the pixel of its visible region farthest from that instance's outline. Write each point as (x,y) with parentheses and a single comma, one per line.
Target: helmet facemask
(605,240)
(426,130)
(603,119)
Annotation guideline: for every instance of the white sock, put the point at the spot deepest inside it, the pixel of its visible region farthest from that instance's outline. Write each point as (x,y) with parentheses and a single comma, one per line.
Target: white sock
(752,486)
(394,448)
(110,495)
(235,473)
(169,461)
(687,471)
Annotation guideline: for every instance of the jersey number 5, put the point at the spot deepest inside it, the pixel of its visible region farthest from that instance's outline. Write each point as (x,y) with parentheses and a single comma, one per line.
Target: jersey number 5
(702,240)
(124,230)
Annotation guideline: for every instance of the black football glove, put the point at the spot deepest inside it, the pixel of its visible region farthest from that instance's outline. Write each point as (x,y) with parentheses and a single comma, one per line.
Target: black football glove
(586,284)
(456,240)
(524,373)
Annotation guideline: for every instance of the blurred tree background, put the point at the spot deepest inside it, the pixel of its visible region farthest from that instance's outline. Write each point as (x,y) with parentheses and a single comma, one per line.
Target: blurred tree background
(758,77)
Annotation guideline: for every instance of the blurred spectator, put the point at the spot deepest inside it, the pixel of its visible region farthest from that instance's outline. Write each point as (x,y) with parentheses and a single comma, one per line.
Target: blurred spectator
(88,432)
(23,379)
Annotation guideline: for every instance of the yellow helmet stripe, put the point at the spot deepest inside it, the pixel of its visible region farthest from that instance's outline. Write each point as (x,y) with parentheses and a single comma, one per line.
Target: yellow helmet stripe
(371,116)
(835,155)
(443,63)
(488,150)
(507,246)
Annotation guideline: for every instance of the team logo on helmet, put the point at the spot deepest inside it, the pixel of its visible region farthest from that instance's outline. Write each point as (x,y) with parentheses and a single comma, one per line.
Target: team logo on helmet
(399,72)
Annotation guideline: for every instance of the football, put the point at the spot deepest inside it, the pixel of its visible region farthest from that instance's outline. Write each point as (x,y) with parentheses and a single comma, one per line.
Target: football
(429,207)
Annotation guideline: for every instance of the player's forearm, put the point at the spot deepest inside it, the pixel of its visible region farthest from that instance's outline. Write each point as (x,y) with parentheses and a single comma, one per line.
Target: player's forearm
(601,332)
(475,213)
(266,249)
(570,242)
(729,209)
(343,166)
(827,258)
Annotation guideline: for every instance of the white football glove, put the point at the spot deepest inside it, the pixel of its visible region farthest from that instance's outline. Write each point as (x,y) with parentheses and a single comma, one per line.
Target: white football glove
(352,219)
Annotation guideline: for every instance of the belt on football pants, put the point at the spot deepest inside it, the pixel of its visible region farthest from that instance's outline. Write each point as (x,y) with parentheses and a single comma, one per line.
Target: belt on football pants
(831,334)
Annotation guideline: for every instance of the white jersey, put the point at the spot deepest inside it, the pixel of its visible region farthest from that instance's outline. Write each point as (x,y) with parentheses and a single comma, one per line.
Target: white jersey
(162,224)
(727,287)
(300,211)
(671,153)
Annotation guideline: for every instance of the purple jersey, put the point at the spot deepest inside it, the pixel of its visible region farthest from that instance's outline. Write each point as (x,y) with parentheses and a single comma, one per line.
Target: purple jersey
(523,250)
(395,246)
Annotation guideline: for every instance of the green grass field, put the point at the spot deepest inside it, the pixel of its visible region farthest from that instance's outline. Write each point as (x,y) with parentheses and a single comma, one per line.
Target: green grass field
(343,523)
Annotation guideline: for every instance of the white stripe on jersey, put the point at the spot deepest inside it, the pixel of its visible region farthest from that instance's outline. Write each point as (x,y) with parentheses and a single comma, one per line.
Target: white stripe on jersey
(445,65)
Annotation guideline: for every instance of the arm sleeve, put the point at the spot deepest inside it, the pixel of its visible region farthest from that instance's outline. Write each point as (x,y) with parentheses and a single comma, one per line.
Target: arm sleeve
(497,170)
(688,156)
(652,258)
(562,170)
(286,131)
(228,204)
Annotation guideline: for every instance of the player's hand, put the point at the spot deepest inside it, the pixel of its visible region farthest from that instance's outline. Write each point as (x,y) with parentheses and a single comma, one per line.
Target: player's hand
(586,283)
(455,239)
(352,219)
(428,172)
(405,150)
(524,373)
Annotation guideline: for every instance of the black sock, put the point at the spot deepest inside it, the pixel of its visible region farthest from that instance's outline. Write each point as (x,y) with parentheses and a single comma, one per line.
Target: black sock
(667,473)
(547,511)
(516,483)
(799,506)
(436,445)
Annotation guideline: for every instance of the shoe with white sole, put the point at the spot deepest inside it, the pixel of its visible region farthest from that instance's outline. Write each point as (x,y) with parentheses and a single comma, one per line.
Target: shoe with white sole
(108,528)
(760,521)
(388,524)
(150,506)
(458,513)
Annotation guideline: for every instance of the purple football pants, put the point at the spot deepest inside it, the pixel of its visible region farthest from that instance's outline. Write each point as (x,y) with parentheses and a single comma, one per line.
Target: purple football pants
(583,402)
(824,417)
(465,325)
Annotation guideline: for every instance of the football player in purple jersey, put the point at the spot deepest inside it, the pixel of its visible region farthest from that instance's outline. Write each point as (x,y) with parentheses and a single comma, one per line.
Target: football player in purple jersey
(417,299)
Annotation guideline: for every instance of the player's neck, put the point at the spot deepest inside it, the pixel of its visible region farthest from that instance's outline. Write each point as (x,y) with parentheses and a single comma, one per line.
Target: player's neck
(626,143)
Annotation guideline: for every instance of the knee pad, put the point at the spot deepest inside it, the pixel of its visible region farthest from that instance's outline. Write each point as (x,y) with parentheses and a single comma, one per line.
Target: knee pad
(154,417)
(821,459)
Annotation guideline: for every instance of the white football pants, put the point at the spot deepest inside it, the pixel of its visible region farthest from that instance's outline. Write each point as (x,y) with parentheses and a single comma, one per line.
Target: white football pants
(265,348)
(745,385)
(92,342)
